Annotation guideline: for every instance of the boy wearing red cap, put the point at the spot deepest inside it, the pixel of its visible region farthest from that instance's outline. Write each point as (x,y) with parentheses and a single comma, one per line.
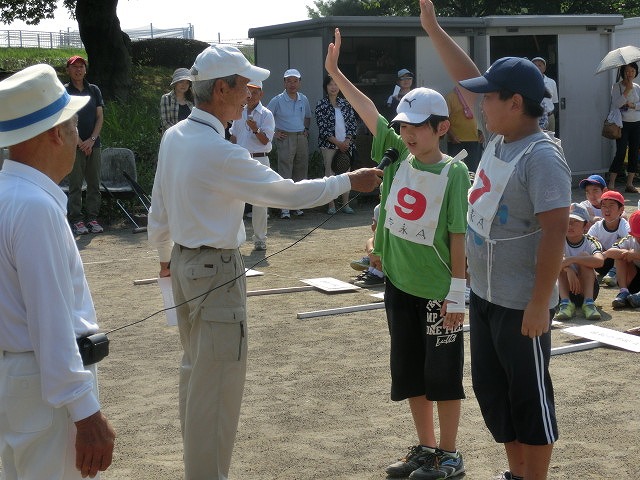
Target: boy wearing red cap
(626,255)
(608,230)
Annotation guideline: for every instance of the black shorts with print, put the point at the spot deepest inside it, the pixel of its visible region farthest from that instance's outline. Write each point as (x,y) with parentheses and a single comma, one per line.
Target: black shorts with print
(426,359)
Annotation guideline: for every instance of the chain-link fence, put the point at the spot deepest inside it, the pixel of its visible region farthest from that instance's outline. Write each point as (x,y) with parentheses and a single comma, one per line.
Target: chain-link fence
(71,39)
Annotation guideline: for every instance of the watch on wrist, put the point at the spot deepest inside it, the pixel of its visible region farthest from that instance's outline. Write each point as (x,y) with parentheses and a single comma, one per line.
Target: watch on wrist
(258,131)
(94,138)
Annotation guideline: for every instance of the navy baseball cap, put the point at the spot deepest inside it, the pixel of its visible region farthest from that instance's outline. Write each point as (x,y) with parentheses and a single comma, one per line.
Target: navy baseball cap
(593,180)
(518,75)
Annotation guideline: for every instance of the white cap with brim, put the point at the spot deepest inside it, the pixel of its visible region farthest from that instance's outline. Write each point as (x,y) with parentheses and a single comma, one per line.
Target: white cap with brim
(33,101)
(219,61)
(419,104)
(292,72)
(254,84)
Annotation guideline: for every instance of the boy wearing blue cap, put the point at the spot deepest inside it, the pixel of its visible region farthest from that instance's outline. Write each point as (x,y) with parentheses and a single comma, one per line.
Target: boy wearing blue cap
(594,186)
(518,217)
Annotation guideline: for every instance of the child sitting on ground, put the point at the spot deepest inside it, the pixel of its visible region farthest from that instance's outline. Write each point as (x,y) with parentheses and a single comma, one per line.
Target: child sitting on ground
(594,186)
(370,276)
(610,230)
(626,255)
(577,281)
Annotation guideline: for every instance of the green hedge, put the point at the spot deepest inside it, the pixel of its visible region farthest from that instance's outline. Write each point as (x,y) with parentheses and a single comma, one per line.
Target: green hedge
(166,52)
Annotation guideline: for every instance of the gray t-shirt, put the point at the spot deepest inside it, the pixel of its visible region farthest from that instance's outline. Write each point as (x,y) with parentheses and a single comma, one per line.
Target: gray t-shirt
(540,182)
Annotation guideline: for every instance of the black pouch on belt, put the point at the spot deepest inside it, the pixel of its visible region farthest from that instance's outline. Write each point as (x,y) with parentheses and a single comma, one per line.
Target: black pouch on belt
(93,348)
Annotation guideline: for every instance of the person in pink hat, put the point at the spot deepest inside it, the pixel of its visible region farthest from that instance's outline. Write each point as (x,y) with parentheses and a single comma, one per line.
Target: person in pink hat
(86,168)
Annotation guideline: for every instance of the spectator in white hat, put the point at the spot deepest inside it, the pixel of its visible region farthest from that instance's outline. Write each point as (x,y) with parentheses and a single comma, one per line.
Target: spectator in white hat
(254,131)
(550,104)
(196,223)
(51,425)
(404,84)
(177,104)
(292,113)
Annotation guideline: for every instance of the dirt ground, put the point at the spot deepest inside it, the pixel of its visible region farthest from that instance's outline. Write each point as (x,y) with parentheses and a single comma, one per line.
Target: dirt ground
(316,403)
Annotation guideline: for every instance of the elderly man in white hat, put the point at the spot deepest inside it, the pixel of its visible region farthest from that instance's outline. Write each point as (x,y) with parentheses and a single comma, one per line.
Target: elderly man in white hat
(202,183)
(254,131)
(51,425)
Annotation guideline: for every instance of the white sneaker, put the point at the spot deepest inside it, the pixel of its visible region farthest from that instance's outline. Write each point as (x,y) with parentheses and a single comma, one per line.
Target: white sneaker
(260,245)
(299,213)
(285,214)
(95,227)
(79,228)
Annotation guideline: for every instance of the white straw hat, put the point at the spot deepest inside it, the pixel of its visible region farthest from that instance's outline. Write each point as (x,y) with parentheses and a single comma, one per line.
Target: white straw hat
(34,100)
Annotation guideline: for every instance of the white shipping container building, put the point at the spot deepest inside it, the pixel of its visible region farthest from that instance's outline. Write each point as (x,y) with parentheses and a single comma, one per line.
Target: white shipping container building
(374,48)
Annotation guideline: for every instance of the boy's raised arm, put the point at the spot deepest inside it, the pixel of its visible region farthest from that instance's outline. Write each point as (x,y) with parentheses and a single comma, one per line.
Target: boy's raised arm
(458,64)
(358,100)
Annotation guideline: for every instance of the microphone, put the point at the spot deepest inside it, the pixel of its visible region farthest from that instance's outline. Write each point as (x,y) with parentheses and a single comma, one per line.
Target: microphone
(390,156)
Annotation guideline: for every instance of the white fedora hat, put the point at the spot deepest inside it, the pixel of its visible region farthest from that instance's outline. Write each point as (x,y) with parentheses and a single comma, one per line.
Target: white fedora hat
(34,100)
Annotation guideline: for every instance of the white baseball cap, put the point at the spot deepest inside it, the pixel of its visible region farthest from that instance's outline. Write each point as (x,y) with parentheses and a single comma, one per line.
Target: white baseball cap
(33,101)
(218,61)
(419,104)
(292,72)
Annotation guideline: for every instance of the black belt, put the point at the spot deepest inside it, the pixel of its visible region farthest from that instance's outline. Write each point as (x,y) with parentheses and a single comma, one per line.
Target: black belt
(260,154)
(202,247)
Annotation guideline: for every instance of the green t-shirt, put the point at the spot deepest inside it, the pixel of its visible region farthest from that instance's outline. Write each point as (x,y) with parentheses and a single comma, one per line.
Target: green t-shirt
(412,267)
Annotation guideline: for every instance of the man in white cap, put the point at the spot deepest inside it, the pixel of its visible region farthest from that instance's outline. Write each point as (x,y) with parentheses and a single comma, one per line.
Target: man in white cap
(292,114)
(550,104)
(196,224)
(51,425)
(254,131)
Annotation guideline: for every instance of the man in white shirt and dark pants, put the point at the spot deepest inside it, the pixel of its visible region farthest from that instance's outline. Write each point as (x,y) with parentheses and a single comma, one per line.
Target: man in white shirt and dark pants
(196,222)
(51,425)
(254,131)
(549,104)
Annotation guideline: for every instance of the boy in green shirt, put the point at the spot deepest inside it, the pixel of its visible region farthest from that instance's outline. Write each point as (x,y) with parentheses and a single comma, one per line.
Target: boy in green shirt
(419,245)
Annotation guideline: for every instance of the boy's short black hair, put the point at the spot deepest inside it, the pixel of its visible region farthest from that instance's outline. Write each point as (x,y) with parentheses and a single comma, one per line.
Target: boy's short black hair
(530,107)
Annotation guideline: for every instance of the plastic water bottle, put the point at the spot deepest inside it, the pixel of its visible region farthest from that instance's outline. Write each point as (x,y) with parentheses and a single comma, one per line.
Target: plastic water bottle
(638,204)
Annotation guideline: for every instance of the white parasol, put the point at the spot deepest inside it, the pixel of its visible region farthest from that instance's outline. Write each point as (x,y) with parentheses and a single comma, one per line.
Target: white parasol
(619,57)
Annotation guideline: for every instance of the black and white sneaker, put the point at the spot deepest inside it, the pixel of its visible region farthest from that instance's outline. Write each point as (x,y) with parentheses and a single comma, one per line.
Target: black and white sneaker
(417,457)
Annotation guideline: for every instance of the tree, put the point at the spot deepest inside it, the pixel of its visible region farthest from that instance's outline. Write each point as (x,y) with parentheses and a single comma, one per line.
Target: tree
(106,44)
(473,8)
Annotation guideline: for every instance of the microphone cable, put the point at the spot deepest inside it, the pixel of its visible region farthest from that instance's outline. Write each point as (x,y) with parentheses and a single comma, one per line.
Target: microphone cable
(389,157)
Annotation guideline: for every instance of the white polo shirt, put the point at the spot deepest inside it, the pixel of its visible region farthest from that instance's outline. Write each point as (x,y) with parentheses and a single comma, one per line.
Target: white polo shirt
(45,303)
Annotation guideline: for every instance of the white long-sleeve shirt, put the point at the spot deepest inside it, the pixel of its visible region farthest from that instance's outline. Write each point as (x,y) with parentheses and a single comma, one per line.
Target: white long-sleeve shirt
(618,99)
(45,303)
(203,181)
